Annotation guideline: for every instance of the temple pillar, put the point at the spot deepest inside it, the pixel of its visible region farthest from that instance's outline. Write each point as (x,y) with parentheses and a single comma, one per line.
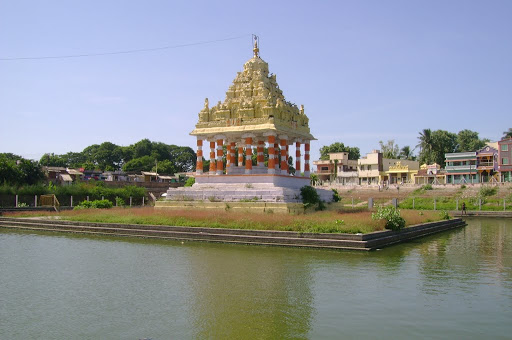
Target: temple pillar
(271,154)
(213,165)
(228,156)
(284,158)
(261,157)
(297,158)
(306,159)
(220,154)
(248,153)
(241,154)
(199,162)
(277,166)
(233,160)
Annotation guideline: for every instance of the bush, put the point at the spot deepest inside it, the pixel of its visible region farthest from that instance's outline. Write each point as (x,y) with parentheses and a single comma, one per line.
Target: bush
(97,204)
(427,187)
(190,181)
(444,215)
(336,195)
(463,186)
(488,191)
(309,195)
(119,201)
(392,216)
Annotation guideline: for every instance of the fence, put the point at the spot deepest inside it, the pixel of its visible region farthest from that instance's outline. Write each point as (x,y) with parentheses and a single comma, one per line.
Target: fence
(11,201)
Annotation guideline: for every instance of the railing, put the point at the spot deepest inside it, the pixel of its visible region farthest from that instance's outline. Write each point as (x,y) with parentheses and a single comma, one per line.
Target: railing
(461,167)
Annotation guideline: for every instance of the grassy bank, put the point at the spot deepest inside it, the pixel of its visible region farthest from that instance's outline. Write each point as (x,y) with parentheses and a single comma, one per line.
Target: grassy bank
(315,222)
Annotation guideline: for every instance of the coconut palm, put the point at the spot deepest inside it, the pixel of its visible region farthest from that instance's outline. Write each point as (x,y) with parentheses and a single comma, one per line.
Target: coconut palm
(508,133)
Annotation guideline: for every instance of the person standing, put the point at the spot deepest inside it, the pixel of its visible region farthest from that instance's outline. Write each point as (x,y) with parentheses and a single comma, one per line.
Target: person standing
(464,212)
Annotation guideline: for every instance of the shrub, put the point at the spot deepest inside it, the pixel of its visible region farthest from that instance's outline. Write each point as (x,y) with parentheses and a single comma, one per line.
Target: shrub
(444,215)
(427,187)
(488,191)
(309,195)
(97,204)
(463,186)
(392,216)
(119,201)
(336,195)
(190,182)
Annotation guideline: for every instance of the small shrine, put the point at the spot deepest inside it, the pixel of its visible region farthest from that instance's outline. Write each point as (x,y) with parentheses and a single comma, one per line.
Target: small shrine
(254,116)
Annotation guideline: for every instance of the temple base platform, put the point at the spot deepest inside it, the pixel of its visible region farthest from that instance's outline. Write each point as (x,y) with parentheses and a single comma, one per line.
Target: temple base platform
(245,188)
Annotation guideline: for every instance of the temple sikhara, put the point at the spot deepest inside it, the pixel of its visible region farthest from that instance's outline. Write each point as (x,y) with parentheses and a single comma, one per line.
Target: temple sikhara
(254,116)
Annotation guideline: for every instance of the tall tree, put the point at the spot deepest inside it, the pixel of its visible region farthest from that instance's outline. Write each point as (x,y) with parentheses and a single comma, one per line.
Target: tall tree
(407,153)
(51,159)
(353,152)
(508,133)
(468,141)
(390,149)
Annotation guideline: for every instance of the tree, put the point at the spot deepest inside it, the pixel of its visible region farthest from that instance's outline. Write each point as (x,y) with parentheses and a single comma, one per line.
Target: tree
(51,159)
(144,163)
(443,142)
(468,141)
(165,167)
(507,134)
(390,149)
(353,152)
(16,170)
(407,153)
(425,145)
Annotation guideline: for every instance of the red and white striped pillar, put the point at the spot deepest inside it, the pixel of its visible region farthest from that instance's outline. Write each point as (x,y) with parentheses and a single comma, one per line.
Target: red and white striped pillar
(297,157)
(248,155)
(232,160)
(261,157)
(199,162)
(271,154)
(241,154)
(306,159)
(284,158)
(228,156)
(220,153)
(213,165)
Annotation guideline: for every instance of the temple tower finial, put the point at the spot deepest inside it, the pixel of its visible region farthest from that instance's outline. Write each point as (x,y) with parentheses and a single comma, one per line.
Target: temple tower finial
(256,50)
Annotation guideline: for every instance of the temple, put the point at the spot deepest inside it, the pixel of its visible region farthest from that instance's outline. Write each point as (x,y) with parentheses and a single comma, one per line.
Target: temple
(254,116)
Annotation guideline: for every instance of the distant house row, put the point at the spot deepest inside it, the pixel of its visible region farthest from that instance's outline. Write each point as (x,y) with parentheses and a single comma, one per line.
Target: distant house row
(492,163)
(65,176)
(368,170)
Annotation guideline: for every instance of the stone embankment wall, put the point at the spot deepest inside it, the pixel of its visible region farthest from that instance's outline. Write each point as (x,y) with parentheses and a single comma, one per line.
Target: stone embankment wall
(366,242)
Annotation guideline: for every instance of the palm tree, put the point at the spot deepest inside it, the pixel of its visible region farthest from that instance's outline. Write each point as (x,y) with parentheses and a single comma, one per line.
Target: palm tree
(426,145)
(425,140)
(407,153)
(507,134)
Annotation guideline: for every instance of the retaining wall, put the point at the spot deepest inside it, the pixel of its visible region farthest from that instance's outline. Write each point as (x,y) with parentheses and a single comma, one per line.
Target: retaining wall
(366,242)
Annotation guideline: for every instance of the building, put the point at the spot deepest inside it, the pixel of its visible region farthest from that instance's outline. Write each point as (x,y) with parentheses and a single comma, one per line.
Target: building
(375,169)
(505,159)
(473,167)
(487,164)
(461,168)
(338,168)
(430,174)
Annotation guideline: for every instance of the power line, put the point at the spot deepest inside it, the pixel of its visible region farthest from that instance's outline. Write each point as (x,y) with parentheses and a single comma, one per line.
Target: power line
(124,52)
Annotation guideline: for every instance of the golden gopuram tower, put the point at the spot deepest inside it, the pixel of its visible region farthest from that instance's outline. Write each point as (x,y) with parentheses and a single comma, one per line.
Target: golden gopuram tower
(254,115)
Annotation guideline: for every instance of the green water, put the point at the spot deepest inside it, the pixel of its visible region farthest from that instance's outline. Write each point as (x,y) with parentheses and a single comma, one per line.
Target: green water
(453,285)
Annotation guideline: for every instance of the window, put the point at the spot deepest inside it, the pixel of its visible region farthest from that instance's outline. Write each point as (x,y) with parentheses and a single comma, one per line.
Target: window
(504,147)
(369,167)
(504,161)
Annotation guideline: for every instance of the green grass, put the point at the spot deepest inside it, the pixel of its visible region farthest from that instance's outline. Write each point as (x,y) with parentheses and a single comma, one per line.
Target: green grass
(334,221)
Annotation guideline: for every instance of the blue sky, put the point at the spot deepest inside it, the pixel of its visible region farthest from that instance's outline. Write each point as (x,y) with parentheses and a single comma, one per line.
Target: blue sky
(364,70)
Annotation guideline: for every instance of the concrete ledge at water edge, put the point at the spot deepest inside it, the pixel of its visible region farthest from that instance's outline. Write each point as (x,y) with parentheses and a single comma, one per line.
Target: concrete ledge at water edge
(480,213)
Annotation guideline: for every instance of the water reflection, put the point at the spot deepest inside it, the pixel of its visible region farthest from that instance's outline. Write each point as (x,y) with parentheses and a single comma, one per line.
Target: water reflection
(239,292)
(479,254)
